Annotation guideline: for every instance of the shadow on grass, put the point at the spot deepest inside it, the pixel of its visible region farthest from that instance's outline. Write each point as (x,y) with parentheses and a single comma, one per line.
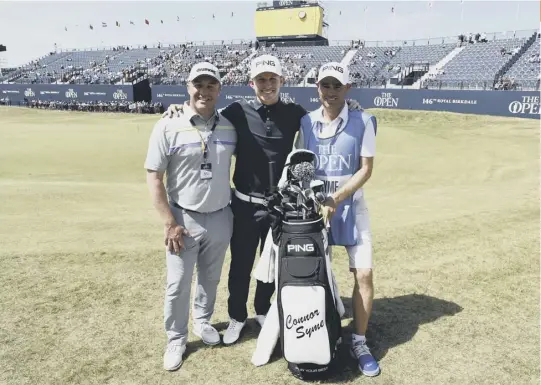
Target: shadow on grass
(394,321)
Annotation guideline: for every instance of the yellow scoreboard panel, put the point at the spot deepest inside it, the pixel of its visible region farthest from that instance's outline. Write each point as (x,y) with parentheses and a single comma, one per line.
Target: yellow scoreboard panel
(289,22)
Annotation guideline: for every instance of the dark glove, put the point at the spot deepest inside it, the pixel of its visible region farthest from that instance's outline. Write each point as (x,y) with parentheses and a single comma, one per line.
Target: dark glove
(261,215)
(273,199)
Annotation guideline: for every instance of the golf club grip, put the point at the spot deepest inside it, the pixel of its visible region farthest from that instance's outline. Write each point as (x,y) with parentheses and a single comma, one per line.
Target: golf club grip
(272,177)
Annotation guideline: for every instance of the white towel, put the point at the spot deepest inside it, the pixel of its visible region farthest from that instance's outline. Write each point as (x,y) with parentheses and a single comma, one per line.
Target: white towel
(268,337)
(264,270)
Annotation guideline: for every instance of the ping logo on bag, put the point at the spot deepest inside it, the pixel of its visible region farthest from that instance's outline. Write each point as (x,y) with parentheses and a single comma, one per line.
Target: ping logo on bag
(309,247)
(300,247)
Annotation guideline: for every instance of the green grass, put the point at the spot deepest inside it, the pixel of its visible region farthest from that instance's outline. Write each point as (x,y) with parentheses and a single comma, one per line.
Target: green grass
(455,219)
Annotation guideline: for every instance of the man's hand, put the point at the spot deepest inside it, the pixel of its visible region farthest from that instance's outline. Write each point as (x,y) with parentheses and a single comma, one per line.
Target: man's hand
(174,110)
(327,209)
(353,105)
(173,237)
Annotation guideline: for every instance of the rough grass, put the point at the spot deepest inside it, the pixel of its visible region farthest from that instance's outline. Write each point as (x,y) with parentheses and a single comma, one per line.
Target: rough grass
(455,217)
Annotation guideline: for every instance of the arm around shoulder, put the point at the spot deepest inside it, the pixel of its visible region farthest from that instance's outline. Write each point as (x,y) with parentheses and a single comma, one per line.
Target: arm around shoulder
(302,111)
(232,112)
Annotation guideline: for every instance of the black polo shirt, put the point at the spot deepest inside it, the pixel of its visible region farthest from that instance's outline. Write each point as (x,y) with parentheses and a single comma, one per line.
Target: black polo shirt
(264,134)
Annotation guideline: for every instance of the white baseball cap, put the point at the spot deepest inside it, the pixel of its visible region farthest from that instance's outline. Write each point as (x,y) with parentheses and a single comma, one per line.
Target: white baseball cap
(204,68)
(265,63)
(336,70)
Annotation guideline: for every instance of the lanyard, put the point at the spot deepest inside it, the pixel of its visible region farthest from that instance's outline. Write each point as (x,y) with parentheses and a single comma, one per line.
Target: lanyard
(333,138)
(204,142)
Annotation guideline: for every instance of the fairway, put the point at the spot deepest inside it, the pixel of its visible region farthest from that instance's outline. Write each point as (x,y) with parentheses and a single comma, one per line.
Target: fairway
(454,209)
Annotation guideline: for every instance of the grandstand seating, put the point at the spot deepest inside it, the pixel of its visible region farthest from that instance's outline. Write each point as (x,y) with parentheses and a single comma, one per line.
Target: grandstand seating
(478,64)
(297,61)
(36,71)
(525,70)
(176,67)
(378,64)
(368,62)
(6,72)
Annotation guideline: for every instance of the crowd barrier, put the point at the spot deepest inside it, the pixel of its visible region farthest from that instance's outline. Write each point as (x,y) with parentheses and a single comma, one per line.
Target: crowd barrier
(524,104)
(66,92)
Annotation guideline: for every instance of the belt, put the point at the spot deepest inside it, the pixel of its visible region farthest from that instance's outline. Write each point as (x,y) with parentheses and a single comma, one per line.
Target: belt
(192,211)
(249,198)
(182,208)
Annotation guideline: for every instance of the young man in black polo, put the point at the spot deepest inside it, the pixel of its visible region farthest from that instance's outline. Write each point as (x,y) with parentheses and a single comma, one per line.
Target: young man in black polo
(266,128)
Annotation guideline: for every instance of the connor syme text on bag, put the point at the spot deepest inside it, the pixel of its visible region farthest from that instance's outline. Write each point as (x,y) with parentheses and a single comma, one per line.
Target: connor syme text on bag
(301,330)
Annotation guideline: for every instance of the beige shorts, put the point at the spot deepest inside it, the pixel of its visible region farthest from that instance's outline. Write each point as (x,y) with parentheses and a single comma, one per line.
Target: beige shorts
(360,255)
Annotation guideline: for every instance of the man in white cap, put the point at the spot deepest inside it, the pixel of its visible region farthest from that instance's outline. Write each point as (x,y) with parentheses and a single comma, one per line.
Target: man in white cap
(266,129)
(195,149)
(345,145)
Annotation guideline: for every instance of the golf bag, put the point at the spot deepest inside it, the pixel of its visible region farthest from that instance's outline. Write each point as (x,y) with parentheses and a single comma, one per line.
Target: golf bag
(310,327)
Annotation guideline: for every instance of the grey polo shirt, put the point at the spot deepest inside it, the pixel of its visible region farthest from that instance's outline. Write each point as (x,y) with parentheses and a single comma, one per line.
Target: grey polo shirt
(175,148)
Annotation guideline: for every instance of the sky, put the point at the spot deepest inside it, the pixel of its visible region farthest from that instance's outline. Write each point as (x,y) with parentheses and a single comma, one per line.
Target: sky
(30,29)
